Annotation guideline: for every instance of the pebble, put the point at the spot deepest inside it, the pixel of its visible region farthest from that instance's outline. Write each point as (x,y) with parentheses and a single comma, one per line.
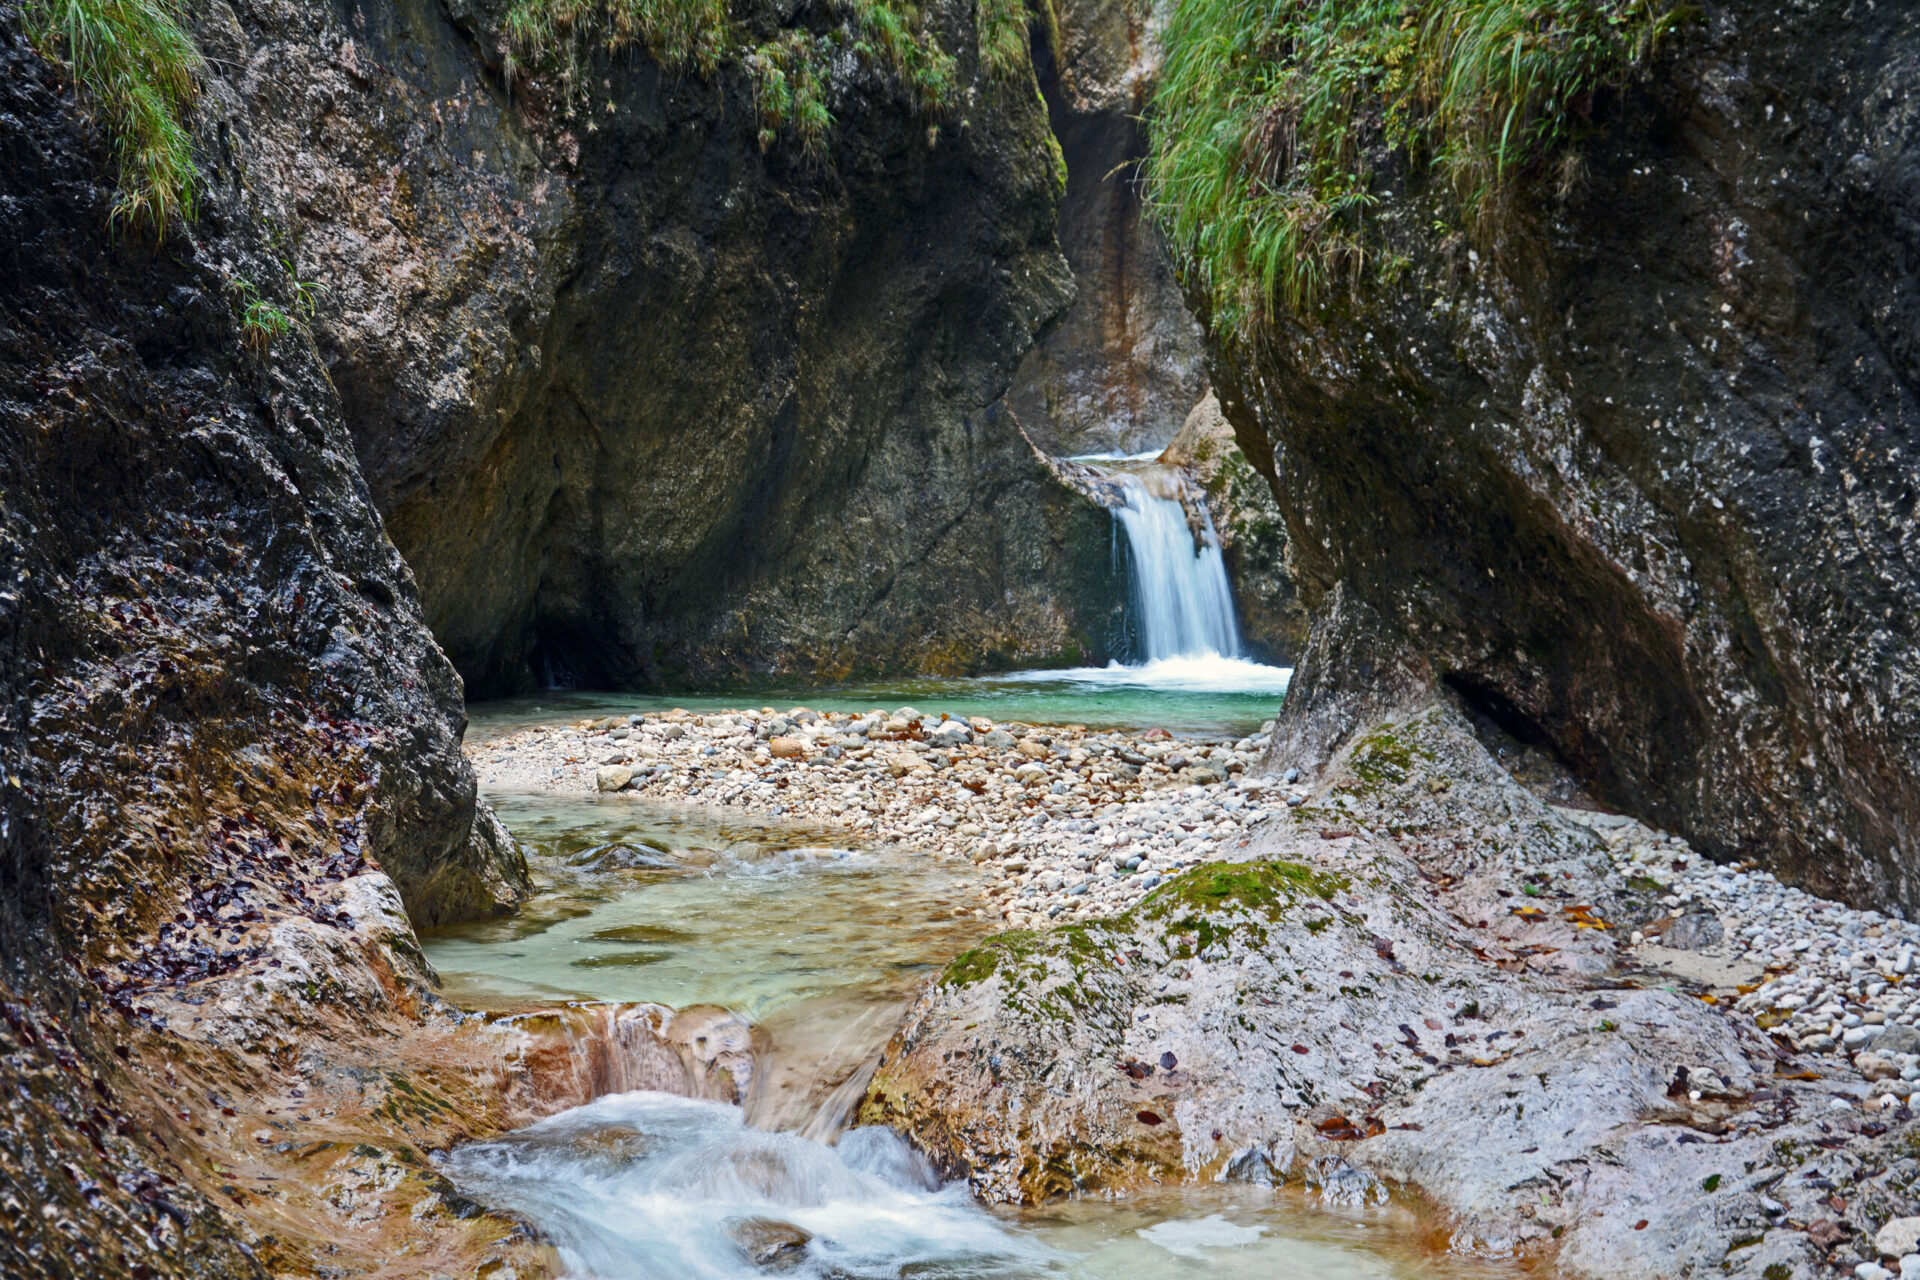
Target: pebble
(1067,823)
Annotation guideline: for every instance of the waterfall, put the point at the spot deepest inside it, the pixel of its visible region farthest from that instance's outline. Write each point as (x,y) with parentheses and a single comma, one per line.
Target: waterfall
(1181,598)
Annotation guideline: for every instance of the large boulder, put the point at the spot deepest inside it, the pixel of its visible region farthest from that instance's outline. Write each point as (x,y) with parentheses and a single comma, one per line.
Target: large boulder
(1408,986)
(1636,477)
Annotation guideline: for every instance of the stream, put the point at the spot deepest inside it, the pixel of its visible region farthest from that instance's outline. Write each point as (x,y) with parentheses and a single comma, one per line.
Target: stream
(820,941)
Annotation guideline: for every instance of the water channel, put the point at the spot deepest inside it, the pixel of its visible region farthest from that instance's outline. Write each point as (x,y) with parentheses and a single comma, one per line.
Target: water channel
(820,941)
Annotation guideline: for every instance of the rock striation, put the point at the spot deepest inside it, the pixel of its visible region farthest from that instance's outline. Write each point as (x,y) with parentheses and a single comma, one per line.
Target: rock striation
(1123,365)
(1638,480)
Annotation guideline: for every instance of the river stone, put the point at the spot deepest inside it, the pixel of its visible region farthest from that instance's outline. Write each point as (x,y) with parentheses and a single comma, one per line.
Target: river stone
(1898,1238)
(1033,750)
(612,777)
(1875,1067)
(787,748)
(1695,930)
(997,740)
(1898,1039)
(769,1242)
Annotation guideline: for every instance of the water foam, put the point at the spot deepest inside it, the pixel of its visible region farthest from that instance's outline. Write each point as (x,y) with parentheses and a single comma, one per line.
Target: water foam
(638,1186)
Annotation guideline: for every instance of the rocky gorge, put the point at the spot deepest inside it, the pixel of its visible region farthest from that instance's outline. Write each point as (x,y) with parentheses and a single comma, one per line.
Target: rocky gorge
(1554,922)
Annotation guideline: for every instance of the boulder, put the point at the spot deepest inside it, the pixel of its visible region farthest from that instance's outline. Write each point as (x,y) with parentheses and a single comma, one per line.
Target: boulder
(612,777)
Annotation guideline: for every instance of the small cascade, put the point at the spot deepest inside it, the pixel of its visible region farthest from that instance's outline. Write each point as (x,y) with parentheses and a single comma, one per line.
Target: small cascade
(567,1056)
(647,1186)
(1182,601)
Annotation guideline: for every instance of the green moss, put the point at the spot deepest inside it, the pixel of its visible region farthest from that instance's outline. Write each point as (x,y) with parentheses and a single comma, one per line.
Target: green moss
(1383,758)
(1269,119)
(135,66)
(1266,887)
(970,968)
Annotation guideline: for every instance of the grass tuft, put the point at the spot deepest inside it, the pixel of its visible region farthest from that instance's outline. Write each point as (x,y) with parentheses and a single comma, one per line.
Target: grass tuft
(1270,116)
(134,66)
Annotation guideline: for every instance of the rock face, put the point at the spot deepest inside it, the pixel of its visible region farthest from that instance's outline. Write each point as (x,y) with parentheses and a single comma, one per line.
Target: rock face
(1125,363)
(224,725)
(1412,983)
(1641,482)
(642,400)
(1252,532)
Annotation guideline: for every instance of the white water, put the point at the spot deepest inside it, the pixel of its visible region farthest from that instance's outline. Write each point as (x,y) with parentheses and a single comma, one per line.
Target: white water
(647,1186)
(1182,600)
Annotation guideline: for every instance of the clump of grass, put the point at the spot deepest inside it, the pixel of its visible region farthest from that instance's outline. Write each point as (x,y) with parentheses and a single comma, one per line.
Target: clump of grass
(1003,25)
(263,320)
(565,34)
(1271,114)
(134,66)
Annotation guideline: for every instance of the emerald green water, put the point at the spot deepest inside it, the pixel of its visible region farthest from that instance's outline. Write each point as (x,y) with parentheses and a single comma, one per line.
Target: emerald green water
(1207,695)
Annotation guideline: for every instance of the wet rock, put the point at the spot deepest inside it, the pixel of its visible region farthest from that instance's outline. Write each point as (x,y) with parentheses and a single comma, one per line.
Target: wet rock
(769,1242)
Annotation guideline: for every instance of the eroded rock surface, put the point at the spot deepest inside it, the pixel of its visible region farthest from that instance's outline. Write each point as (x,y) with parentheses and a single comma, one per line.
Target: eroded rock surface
(1124,364)
(1415,983)
(642,399)
(1640,478)
(231,748)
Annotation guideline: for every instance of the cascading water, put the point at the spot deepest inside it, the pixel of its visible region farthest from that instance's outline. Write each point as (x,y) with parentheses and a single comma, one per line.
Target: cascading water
(1182,600)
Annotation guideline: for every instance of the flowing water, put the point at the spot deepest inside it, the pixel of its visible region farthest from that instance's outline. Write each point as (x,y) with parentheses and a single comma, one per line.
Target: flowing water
(1183,604)
(820,943)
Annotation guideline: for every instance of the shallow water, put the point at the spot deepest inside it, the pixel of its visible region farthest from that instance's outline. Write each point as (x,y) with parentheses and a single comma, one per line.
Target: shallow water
(645,1186)
(1207,695)
(753,916)
(821,946)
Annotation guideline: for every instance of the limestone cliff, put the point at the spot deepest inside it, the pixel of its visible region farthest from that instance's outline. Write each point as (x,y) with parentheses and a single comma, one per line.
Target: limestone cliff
(1639,477)
(645,395)
(1124,364)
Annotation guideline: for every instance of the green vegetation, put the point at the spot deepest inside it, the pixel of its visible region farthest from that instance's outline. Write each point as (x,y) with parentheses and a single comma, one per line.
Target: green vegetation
(793,72)
(135,67)
(1265,887)
(262,320)
(1271,115)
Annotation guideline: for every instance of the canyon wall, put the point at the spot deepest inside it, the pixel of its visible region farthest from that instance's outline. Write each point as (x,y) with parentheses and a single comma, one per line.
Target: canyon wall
(1638,479)
(646,397)
(1124,364)
(222,717)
